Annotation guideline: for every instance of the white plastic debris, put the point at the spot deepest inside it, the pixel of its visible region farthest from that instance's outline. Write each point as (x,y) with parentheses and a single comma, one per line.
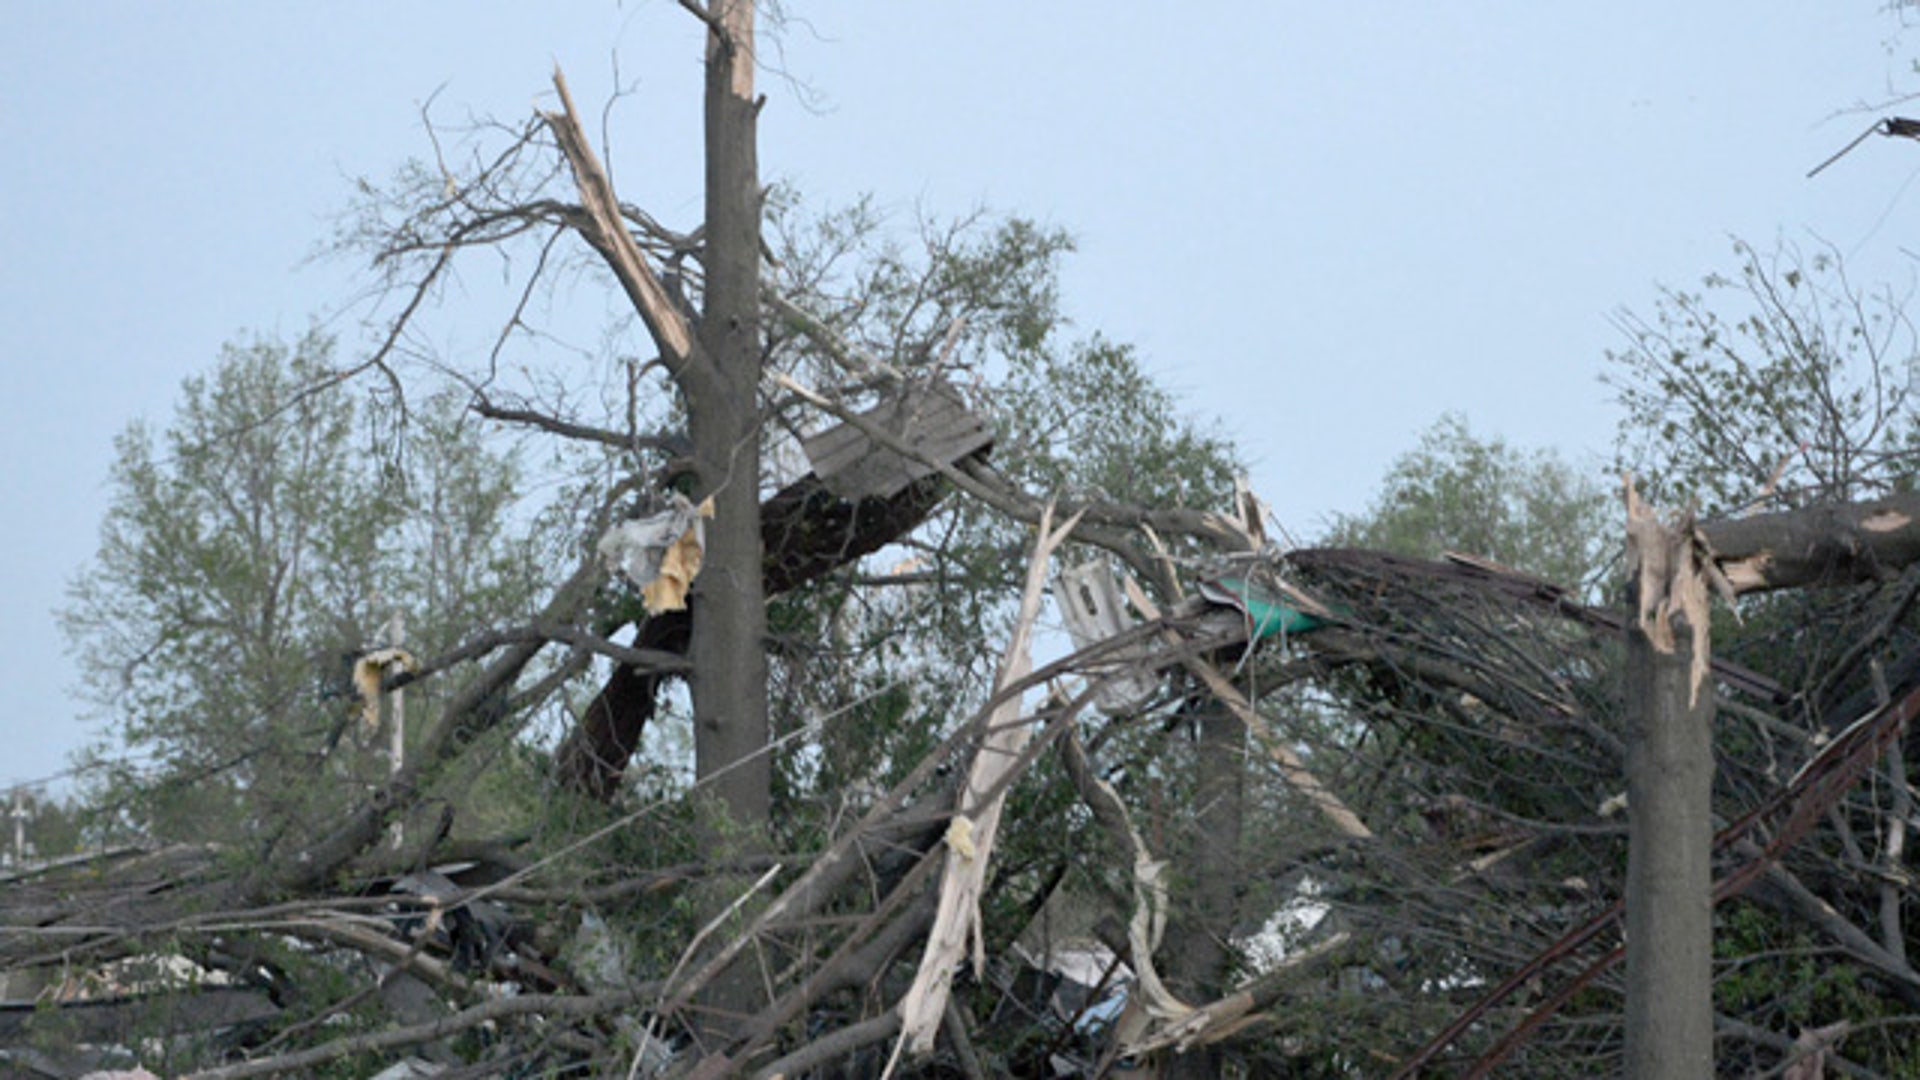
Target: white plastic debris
(661,552)
(1090,605)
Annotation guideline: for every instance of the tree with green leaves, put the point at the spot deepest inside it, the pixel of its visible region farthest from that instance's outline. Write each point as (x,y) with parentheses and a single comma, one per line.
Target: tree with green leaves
(1784,378)
(1456,491)
(1425,752)
(253,547)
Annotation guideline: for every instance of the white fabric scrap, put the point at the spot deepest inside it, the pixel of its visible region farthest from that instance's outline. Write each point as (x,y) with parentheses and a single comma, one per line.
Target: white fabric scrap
(660,553)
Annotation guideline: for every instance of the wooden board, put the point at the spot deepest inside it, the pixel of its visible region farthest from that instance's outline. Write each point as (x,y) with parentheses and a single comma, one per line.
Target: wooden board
(930,419)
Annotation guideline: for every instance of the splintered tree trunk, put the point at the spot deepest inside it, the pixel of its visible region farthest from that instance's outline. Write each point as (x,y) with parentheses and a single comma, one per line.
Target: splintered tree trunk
(1669,864)
(728,649)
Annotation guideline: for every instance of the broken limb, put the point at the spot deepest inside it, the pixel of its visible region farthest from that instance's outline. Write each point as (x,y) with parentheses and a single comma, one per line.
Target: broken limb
(1787,891)
(970,837)
(1815,546)
(308,868)
(1236,1012)
(830,869)
(806,533)
(833,1045)
(1148,921)
(899,919)
(604,228)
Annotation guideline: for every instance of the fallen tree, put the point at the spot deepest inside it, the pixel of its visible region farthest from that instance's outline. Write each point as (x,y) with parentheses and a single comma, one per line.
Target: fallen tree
(1390,630)
(1331,810)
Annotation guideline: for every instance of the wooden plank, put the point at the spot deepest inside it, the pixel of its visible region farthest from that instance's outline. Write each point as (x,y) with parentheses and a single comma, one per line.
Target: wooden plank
(930,419)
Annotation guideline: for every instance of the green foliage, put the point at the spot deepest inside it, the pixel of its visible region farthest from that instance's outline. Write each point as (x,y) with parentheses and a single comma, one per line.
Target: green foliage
(1090,420)
(271,528)
(1786,366)
(1458,492)
(1787,978)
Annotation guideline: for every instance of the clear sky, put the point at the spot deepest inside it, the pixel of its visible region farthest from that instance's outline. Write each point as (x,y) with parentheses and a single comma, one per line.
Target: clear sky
(1325,223)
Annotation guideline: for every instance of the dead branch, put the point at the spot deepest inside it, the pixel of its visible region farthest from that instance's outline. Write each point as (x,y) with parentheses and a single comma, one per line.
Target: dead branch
(567,429)
(833,1046)
(576,1006)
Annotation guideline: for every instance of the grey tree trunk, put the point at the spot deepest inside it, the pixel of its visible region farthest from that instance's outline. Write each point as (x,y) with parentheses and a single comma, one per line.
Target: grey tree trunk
(1669,865)
(1197,957)
(729,680)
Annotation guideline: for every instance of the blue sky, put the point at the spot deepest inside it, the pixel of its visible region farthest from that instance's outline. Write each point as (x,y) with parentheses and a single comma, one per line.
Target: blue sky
(1324,224)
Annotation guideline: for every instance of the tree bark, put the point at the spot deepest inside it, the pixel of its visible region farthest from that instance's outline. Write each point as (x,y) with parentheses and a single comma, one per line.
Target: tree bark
(1669,864)
(1831,544)
(594,755)
(1196,948)
(806,533)
(728,646)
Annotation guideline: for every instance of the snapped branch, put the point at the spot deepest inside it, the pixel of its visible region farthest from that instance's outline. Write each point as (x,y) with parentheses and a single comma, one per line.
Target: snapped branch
(604,227)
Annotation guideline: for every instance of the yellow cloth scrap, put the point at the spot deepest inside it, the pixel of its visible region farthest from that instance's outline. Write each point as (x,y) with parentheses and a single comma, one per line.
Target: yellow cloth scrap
(369,671)
(678,567)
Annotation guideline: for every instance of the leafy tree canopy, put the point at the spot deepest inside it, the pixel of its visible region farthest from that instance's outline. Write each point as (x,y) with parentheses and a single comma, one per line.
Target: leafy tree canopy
(1456,491)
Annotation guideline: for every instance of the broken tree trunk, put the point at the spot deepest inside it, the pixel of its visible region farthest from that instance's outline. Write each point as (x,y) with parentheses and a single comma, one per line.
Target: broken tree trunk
(1669,803)
(728,642)
(806,532)
(1669,865)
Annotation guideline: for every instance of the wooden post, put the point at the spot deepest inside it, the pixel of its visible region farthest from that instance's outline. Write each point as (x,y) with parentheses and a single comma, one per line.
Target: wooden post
(20,815)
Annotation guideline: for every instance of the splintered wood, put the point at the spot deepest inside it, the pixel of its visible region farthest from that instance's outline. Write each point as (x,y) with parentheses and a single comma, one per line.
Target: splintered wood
(1090,605)
(970,837)
(605,228)
(1150,898)
(1672,568)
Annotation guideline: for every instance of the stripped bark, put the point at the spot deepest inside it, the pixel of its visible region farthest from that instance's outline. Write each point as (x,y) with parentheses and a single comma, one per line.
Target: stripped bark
(1147,924)
(970,837)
